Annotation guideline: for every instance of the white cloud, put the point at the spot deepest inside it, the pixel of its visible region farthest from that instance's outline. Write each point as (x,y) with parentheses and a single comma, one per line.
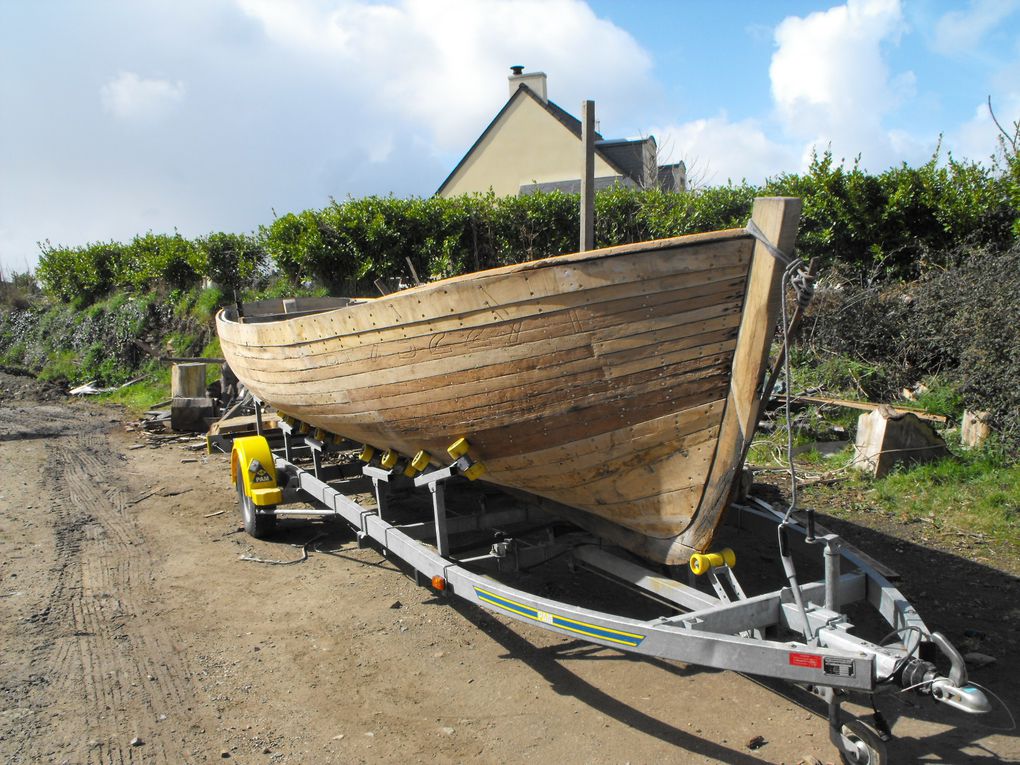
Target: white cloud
(978,138)
(130,97)
(830,80)
(961,31)
(716,150)
(441,65)
(831,88)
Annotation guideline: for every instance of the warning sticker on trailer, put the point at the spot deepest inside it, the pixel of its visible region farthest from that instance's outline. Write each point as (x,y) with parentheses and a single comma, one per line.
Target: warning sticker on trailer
(809,660)
(839,667)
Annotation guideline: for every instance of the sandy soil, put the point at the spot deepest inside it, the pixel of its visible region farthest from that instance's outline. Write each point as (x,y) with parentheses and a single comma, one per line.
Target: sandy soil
(126,615)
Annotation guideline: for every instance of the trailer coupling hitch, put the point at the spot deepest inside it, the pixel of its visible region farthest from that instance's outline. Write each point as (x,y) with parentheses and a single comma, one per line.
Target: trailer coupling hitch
(954,690)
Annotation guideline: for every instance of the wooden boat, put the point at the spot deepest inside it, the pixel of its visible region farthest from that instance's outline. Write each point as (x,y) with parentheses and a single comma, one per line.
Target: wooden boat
(620,385)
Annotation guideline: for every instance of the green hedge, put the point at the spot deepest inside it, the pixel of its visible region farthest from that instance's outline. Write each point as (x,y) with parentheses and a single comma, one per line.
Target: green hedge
(891,225)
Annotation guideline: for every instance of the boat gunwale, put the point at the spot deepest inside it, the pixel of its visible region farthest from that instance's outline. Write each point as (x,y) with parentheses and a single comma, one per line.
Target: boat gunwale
(228,314)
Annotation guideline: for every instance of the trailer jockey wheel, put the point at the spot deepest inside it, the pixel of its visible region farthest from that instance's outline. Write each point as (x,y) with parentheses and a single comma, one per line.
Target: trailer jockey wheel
(861,745)
(258,525)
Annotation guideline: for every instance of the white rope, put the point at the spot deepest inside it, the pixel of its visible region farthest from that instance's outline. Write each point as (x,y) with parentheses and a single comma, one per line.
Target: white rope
(775,252)
(791,270)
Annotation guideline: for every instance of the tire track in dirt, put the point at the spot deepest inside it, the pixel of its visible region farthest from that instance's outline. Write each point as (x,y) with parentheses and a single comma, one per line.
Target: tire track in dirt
(101,659)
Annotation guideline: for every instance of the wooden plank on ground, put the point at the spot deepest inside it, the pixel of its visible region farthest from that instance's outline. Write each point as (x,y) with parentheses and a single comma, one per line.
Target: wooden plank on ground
(867,406)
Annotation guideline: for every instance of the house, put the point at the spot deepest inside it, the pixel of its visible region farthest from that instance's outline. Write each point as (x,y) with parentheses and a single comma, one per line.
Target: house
(534,145)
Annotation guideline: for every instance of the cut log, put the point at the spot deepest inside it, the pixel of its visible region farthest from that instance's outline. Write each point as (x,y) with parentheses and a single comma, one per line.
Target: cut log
(187,381)
(886,438)
(974,430)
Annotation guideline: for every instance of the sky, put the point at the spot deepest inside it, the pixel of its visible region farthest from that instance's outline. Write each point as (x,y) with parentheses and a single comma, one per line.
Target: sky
(119,117)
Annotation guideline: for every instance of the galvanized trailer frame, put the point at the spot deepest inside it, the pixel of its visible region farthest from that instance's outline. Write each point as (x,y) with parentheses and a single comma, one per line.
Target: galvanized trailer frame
(797,633)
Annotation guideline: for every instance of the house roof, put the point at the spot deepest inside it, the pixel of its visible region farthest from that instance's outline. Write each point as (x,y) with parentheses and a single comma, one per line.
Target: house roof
(565,118)
(628,155)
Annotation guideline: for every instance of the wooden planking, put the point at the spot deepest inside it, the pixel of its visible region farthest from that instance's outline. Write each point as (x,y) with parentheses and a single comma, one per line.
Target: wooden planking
(627,405)
(521,435)
(565,427)
(588,478)
(490,296)
(539,348)
(665,333)
(635,315)
(465,363)
(497,383)
(540,400)
(653,516)
(570,370)
(487,299)
(587,452)
(384,344)
(571,356)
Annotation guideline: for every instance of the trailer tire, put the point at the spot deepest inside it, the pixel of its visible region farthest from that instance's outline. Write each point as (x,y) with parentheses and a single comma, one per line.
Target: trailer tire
(861,745)
(257,525)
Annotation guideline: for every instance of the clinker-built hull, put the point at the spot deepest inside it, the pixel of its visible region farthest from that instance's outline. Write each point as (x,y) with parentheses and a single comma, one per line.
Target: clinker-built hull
(620,385)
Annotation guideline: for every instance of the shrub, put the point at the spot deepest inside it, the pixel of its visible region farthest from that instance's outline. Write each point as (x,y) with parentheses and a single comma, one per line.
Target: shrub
(153,260)
(966,321)
(232,261)
(81,274)
(960,324)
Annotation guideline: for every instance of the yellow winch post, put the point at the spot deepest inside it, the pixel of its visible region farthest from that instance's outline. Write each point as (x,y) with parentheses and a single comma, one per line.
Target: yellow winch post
(702,562)
(251,463)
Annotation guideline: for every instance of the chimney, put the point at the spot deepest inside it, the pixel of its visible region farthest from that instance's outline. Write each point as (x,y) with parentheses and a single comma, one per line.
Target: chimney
(536,81)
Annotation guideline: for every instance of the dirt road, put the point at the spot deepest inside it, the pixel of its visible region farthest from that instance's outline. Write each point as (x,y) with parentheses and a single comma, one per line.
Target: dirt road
(132,632)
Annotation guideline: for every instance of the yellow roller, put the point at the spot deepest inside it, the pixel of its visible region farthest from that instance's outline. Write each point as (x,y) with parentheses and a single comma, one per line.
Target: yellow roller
(702,562)
(367,453)
(458,448)
(476,470)
(421,461)
(389,459)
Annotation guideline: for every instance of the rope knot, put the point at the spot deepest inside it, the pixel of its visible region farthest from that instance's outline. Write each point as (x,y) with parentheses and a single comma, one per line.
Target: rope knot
(803,285)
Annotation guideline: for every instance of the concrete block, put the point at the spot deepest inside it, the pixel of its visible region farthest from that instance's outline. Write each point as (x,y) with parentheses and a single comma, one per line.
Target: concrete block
(192,414)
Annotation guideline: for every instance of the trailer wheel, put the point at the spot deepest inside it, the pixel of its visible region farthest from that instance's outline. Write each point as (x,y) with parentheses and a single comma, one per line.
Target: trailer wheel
(258,525)
(861,745)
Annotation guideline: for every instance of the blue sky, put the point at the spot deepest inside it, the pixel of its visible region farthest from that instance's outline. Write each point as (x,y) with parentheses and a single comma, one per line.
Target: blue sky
(118,117)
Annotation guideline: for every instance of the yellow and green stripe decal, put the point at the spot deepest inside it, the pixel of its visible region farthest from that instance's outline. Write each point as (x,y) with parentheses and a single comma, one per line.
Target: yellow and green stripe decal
(545,617)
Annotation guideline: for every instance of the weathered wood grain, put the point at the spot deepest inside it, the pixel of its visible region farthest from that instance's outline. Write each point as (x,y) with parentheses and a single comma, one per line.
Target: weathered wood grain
(616,381)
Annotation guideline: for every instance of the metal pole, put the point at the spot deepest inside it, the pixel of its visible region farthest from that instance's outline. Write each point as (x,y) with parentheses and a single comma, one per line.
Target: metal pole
(439,513)
(587,238)
(832,572)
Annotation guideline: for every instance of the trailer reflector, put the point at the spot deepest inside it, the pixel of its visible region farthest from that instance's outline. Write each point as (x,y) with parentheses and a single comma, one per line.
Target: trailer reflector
(809,660)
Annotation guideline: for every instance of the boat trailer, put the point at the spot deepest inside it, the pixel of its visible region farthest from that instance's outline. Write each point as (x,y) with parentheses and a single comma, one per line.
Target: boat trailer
(797,633)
